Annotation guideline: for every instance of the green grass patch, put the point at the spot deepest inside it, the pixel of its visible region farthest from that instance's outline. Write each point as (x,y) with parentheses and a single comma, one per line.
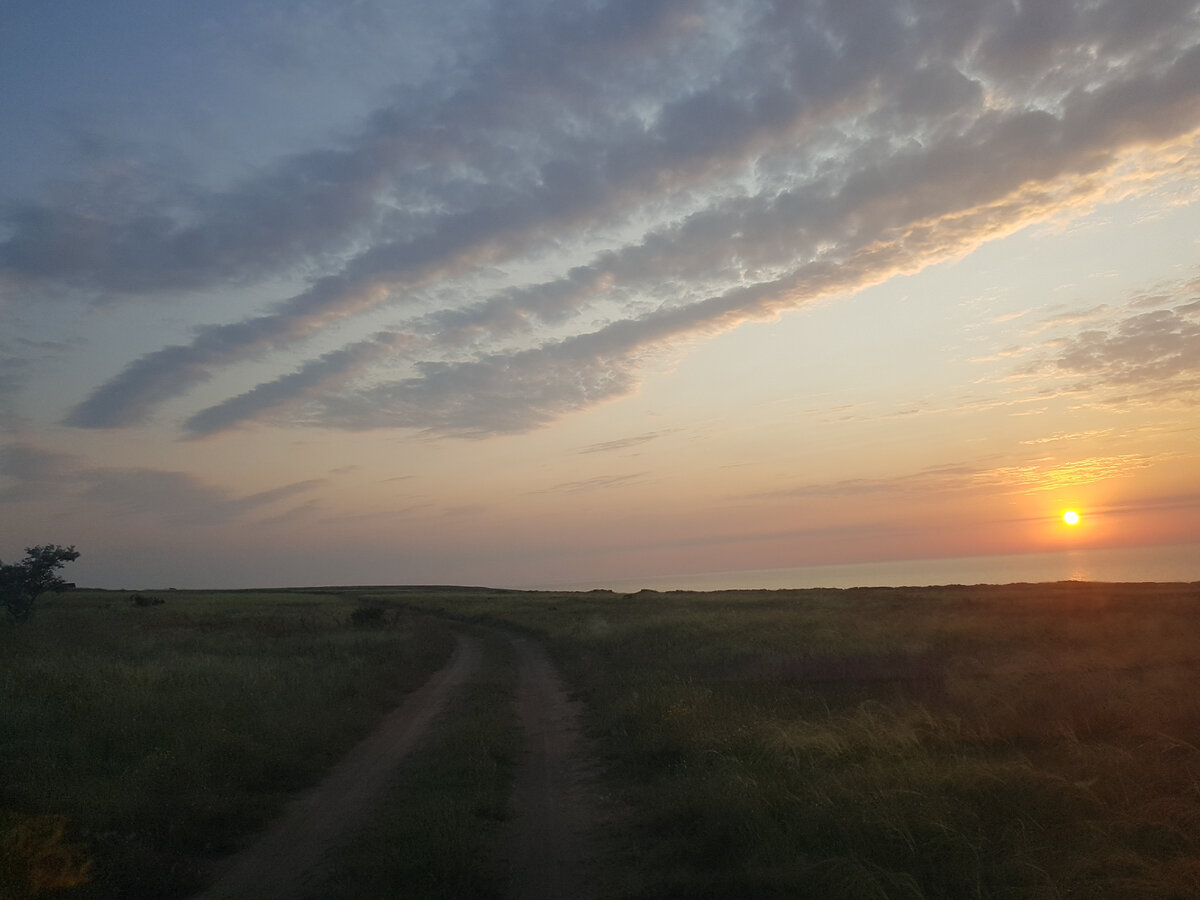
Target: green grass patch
(988,742)
(435,834)
(163,734)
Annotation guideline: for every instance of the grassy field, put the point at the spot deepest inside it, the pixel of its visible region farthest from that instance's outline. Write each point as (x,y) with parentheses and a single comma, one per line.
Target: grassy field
(1023,741)
(1030,741)
(138,743)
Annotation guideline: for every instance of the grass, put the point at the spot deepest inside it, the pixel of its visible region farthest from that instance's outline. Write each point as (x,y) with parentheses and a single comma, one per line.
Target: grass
(435,835)
(1029,741)
(1002,742)
(154,738)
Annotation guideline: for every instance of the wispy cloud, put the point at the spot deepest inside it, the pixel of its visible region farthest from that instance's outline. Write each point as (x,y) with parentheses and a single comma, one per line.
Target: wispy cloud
(948,476)
(31,472)
(13,372)
(1048,476)
(1068,436)
(1033,476)
(596,482)
(621,443)
(174,497)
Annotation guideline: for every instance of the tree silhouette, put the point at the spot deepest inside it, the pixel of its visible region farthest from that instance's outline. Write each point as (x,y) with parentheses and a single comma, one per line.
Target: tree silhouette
(22,583)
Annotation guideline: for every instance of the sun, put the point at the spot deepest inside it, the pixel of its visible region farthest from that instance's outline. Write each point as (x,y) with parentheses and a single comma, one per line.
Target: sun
(1071,517)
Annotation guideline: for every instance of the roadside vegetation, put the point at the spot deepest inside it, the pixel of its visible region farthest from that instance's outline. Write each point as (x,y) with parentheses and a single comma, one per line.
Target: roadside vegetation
(144,736)
(1030,741)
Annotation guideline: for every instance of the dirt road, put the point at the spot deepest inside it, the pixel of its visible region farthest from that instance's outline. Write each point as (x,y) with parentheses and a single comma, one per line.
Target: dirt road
(287,857)
(550,846)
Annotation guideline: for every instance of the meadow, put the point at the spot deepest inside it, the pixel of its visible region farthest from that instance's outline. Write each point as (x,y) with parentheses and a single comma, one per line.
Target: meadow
(138,743)
(1032,741)
(1026,741)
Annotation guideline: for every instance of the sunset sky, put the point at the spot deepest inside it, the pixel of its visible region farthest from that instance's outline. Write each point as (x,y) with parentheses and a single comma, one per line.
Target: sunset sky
(521,292)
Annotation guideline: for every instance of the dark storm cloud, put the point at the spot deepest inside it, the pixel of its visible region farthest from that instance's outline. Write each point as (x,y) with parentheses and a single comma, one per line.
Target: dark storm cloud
(695,164)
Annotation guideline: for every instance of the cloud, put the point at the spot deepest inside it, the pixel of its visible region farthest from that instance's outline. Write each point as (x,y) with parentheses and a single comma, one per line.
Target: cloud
(498,394)
(950,476)
(323,374)
(1032,476)
(1150,352)
(177,498)
(529,388)
(596,482)
(588,185)
(13,374)
(129,397)
(1071,436)
(1135,352)
(1047,476)
(622,443)
(33,473)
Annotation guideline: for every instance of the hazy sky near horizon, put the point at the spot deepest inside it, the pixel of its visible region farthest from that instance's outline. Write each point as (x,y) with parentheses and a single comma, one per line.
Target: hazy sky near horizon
(527,292)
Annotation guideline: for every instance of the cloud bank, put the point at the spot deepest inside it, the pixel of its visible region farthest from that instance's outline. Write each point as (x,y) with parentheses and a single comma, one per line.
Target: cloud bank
(584,185)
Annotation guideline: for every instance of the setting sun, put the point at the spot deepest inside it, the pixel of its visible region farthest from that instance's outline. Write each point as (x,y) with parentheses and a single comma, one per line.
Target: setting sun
(1071,517)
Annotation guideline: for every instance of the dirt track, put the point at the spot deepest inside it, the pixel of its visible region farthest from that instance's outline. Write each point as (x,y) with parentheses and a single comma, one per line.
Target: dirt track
(550,844)
(286,858)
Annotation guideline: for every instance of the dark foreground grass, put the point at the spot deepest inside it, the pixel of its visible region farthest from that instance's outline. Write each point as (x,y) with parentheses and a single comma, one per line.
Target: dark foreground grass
(1029,741)
(435,834)
(140,742)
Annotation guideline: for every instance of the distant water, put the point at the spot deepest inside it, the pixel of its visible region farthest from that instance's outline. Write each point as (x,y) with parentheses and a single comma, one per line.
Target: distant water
(1180,562)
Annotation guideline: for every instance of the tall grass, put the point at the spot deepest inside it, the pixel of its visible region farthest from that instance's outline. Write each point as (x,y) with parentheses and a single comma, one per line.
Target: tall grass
(998,742)
(163,735)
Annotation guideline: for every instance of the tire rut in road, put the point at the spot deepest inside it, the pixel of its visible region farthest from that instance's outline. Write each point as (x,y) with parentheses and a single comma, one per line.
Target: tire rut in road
(552,849)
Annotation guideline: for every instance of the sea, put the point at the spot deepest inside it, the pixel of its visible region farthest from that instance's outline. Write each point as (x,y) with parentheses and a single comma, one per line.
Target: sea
(1177,562)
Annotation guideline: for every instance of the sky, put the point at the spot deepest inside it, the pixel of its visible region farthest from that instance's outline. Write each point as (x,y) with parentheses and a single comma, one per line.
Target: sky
(529,292)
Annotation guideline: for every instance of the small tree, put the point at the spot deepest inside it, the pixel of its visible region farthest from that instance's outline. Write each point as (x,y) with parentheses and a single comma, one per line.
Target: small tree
(22,583)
